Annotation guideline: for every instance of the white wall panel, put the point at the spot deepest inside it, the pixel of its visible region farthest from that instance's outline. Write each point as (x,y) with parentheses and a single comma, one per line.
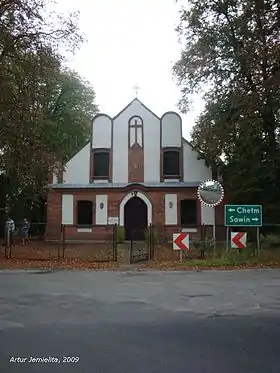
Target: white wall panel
(171,215)
(67,209)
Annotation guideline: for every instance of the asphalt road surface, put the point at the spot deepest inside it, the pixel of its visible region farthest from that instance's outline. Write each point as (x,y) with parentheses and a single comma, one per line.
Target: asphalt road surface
(140,322)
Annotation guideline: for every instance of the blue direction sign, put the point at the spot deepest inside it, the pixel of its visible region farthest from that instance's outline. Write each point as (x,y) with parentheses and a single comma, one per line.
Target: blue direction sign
(243,215)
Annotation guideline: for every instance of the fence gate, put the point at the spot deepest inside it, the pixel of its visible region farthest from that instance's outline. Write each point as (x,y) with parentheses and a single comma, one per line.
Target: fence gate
(140,246)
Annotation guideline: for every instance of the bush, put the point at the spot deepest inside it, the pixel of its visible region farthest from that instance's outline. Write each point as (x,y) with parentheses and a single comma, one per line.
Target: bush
(269,241)
(120,235)
(205,246)
(151,234)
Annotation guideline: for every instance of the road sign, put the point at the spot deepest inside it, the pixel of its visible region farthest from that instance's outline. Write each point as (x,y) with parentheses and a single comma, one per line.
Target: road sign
(243,215)
(238,240)
(181,241)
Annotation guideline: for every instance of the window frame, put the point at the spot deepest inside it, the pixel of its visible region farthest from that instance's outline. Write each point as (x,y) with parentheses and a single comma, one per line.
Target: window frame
(86,225)
(101,151)
(173,150)
(130,126)
(189,225)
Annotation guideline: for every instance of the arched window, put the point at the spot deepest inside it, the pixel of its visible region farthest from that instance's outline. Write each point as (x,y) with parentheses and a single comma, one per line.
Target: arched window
(135,131)
(171,164)
(84,213)
(101,164)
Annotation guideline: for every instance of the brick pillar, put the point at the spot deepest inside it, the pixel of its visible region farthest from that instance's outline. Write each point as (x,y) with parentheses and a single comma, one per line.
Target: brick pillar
(54,208)
(136,164)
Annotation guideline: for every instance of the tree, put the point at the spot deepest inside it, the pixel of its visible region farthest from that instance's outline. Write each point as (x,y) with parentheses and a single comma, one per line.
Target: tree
(70,110)
(232,46)
(44,108)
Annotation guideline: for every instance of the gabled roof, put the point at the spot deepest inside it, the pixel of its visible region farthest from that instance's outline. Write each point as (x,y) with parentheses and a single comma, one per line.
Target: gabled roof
(199,152)
(144,106)
(177,184)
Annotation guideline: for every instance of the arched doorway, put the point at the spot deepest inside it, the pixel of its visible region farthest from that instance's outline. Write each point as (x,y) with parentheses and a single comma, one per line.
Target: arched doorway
(135,219)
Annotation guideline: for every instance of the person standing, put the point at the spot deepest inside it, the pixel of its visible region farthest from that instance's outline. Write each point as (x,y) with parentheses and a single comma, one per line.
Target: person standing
(9,231)
(25,231)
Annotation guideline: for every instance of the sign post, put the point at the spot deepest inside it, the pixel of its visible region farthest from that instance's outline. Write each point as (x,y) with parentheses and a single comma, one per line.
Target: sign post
(181,242)
(244,216)
(238,240)
(211,193)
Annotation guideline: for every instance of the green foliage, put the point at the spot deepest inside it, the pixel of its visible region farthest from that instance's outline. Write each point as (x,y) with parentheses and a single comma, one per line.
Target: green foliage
(204,247)
(71,109)
(151,235)
(270,241)
(120,235)
(232,49)
(45,109)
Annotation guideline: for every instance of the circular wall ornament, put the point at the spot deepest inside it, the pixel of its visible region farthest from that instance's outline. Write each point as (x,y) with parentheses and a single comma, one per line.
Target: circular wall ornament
(210,192)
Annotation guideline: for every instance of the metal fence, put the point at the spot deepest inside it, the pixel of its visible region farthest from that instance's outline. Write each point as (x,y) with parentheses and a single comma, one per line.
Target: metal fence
(98,245)
(141,245)
(102,243)
(202,243)
(91,243)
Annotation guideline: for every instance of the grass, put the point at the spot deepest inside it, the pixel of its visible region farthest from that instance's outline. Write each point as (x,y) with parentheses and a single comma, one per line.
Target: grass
(88,256)
(166,258)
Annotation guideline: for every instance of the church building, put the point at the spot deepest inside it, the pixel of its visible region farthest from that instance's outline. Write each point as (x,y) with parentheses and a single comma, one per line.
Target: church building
(136,170)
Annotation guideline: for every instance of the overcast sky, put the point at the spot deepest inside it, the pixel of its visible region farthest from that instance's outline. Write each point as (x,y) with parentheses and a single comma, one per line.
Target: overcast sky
(130,42)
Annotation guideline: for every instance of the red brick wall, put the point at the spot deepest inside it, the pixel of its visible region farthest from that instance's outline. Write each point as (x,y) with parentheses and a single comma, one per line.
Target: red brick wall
(156,196)
(135,164)
(54,202)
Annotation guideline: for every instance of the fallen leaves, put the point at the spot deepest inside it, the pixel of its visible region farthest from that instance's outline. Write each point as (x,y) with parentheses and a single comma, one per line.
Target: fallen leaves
(189,266)
(38,254)
(74,264)
(99,256)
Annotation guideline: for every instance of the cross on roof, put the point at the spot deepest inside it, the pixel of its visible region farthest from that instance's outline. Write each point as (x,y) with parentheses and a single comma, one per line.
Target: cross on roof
(136,88)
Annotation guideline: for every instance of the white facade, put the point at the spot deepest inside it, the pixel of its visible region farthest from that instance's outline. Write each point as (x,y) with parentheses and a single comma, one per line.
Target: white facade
(171,130)
(101,132)
(67,209)
(78,168)
(135,130)
(151,130)
(171,214)
(207,215)
(194,169)
(113,133)
(101,211)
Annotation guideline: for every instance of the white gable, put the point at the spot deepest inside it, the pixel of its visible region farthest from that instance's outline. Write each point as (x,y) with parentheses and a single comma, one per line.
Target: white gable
(194,169)
(171,130)
(101,132)
(150,133)
(151,142)
(77,169)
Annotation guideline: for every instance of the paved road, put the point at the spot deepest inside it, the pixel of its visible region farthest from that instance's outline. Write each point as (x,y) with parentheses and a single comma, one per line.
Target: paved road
(118,322)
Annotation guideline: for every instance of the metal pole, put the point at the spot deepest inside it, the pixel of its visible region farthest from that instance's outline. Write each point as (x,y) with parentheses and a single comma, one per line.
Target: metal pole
(115,243)
(258,241)
(10,243)
(214,229)
(181,256)
(131,249)
(7,242)
(227,247)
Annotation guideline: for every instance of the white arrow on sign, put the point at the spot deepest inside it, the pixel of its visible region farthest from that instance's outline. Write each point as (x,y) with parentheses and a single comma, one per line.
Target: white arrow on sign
(231,210)
(255,219)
